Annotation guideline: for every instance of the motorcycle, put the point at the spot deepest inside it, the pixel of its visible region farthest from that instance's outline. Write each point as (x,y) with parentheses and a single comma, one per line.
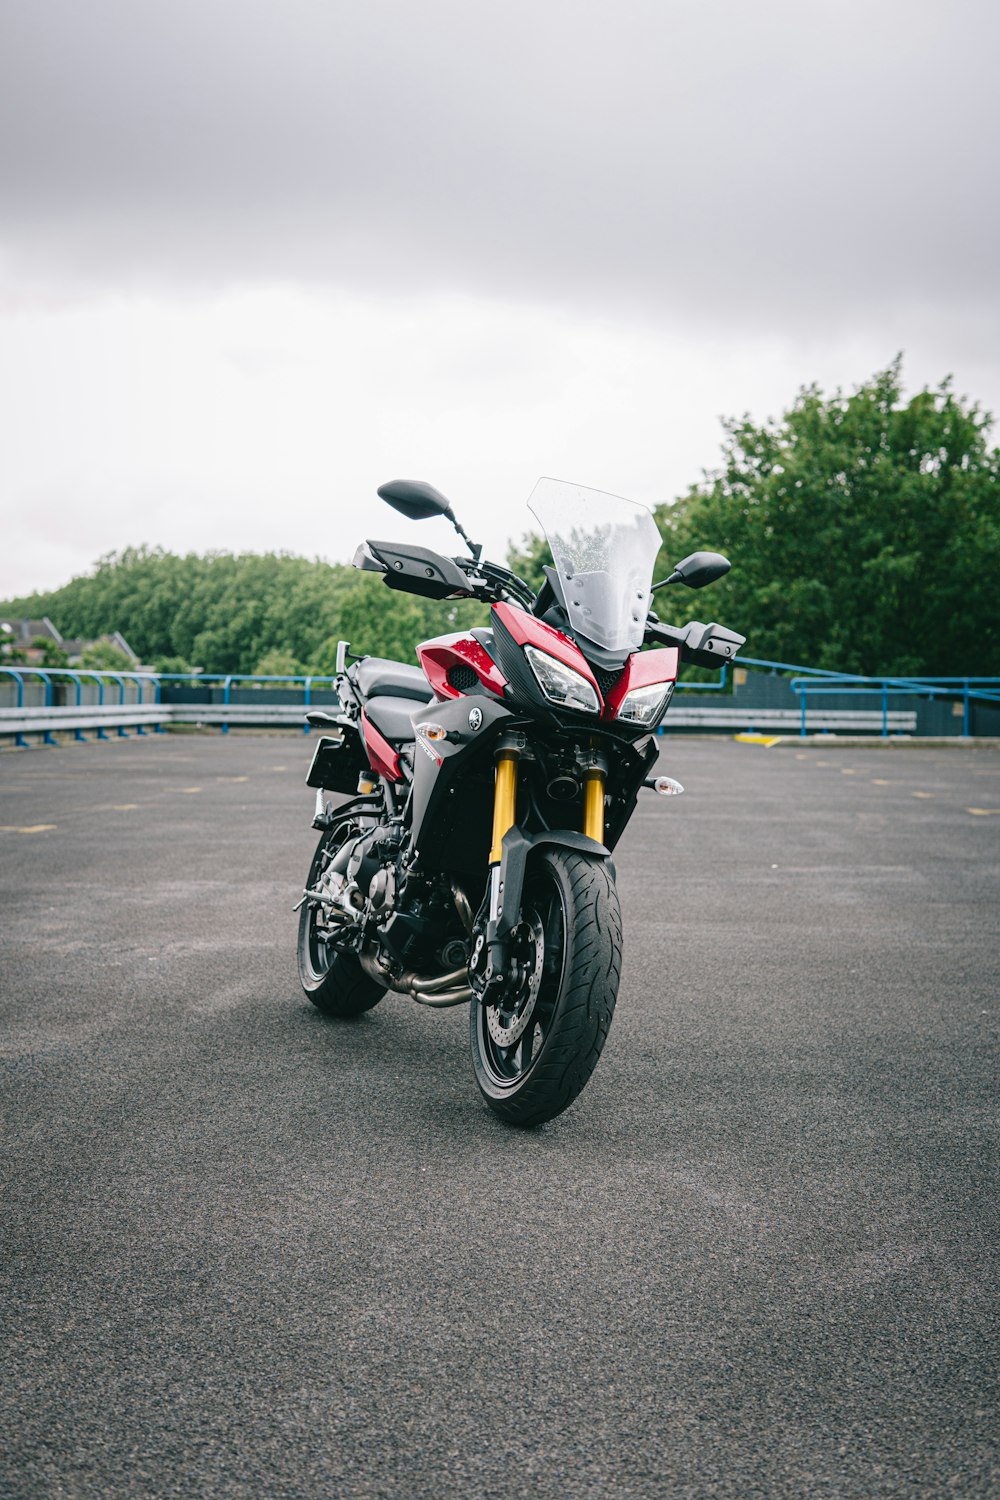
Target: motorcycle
(488,787)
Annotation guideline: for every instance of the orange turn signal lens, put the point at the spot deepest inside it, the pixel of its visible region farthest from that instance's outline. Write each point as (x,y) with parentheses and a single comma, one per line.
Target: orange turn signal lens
(434,731)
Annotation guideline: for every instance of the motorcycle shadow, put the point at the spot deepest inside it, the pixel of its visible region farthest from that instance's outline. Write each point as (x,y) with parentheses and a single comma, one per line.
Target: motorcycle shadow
(403,1062)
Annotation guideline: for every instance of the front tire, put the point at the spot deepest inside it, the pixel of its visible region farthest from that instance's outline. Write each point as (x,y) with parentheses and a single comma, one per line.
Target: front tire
(334,981)
(535,1051)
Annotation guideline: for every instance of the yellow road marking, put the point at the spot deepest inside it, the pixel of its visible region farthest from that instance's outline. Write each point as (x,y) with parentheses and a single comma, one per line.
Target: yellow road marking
(29,828)
(848,771)
(878,781)
(921,794)
(190,788)
(984,812)
(123,807)
(767,740)
(232,778)
(278,768)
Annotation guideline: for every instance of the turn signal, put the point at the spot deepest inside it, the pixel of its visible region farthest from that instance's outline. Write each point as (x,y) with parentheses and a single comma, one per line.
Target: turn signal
(665,786)
(433,731)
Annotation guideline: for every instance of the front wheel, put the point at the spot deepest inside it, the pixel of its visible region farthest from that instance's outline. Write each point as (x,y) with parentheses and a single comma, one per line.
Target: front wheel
(534,1051)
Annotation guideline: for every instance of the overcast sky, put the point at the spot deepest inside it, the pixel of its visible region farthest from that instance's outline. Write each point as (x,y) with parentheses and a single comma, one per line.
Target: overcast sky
(257,256)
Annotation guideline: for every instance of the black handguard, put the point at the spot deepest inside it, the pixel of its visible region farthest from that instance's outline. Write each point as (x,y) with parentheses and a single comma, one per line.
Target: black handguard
(415,570)
(700,645)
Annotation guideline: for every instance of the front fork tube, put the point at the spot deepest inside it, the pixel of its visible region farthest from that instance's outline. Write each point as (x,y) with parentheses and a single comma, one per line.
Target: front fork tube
(489,962)
(595,771)
(595,775)
(504,813)
(594,778)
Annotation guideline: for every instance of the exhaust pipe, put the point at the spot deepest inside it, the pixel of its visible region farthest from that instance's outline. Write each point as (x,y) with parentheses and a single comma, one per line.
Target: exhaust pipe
(440,991)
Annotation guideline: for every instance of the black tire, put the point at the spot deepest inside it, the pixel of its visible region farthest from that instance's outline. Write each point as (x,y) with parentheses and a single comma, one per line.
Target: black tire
(335,982)
(572,901)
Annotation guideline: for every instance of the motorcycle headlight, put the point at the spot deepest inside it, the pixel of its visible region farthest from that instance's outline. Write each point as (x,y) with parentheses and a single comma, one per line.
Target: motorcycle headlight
(646,705)
(560,684)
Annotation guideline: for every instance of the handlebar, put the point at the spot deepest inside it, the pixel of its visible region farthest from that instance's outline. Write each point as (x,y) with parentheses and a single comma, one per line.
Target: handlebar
(415,570)
(700,645)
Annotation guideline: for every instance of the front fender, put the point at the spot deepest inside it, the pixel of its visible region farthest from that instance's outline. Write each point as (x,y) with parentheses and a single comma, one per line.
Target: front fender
(515,849)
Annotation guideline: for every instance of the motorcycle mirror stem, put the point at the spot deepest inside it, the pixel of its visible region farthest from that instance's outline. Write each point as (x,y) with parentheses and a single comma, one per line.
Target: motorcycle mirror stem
(418,501)
(697,570)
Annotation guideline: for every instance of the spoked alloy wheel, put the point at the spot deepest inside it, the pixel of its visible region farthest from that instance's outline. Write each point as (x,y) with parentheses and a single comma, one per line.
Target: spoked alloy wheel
(535,1050)
(334,981)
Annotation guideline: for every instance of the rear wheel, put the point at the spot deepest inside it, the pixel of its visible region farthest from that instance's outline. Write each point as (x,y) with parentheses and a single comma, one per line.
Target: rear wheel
(535,1050)
(334,981)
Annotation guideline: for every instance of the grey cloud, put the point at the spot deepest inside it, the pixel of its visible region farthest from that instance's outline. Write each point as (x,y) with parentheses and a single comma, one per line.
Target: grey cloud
(773,165)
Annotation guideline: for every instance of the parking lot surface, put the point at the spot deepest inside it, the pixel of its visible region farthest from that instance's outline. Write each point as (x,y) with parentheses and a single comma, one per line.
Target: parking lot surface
(248,1251)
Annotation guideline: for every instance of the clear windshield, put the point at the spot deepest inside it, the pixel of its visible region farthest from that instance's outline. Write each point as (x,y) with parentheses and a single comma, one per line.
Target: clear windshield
(604,550)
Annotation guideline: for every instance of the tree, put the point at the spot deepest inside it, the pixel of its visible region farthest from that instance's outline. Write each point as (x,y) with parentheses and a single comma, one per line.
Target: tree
(103,656)
(172,664)
(528,558)
(279,663)
(864,532)
(52,653)
(232,613)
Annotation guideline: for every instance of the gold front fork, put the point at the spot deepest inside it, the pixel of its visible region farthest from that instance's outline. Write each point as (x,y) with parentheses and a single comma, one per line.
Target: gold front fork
(504,801)
(593,803)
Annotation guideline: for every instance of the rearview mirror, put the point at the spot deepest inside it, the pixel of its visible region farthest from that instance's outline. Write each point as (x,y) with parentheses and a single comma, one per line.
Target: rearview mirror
(697,570)
(415,499)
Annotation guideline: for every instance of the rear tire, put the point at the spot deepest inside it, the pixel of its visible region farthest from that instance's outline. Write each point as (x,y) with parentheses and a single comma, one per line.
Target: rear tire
(335,982)
(533,1054)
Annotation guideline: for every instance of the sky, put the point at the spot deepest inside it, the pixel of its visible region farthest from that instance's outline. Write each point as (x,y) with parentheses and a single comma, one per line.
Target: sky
(256,258)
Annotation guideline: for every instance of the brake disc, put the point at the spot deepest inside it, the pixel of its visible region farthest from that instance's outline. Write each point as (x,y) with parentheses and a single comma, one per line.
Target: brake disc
(507,1025)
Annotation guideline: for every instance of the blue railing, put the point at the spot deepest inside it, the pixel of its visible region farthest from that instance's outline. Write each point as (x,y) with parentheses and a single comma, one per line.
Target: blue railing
(200,679)
(807,683)
(812,682)
(968,689)
(76,676)
(148,687)
(819,681)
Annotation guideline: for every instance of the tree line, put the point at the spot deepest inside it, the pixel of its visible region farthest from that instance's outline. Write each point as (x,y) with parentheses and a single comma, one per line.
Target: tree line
(270,613)
(864,533)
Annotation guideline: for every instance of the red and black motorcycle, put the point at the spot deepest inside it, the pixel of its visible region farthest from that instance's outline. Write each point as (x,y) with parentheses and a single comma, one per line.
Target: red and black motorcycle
(472,864)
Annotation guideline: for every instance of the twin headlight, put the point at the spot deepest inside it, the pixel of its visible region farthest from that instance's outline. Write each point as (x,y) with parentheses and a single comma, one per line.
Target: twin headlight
(646,705)
(569,689)
(560,683)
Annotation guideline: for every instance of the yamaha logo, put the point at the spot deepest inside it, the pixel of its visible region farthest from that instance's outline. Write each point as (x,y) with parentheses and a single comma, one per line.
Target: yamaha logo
(475,718)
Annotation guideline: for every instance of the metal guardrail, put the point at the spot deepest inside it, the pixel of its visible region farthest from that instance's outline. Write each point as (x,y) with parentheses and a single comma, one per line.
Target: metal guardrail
(968,689)
(750,720)
(114,711)
(117,710)
(820,681)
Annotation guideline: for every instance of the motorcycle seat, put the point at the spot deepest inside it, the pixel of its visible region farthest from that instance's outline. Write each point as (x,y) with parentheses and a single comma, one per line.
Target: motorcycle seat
(393,718)
(379,678)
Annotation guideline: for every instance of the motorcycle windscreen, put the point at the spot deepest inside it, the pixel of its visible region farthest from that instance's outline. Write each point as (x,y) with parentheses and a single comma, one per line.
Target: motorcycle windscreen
(604,549)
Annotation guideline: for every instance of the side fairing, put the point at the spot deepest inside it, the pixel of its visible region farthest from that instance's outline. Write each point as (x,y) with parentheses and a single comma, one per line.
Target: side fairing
(452,796)
(446,655)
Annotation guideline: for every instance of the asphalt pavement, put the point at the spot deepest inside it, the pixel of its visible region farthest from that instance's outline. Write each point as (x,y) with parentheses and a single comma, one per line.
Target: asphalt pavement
(247,1251)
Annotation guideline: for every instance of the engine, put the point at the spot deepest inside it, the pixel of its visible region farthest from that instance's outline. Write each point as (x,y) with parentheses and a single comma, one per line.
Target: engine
(409,919)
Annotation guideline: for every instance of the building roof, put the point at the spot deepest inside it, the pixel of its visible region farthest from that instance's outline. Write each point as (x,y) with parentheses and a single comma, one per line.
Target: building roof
(23,631)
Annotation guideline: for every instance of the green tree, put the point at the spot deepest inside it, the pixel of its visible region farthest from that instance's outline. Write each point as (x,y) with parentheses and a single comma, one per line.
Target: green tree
(864,532)
(172,664)
(53,654)
(102,656)
(528,557)
(231,613)
(279,663)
